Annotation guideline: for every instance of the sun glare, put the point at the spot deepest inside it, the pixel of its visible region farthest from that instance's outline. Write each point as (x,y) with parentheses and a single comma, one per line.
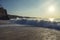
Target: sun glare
(51,19)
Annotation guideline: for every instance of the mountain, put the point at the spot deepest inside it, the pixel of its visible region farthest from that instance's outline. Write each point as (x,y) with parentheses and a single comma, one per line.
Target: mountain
(16,16)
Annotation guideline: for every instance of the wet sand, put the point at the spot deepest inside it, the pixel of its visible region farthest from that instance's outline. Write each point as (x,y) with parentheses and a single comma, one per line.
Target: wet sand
(28,33)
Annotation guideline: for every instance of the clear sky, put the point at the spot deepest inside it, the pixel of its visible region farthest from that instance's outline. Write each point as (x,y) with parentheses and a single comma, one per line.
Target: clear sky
(36,8)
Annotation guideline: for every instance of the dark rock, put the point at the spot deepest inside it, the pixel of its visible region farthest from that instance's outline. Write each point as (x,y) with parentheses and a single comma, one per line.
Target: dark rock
(3,14)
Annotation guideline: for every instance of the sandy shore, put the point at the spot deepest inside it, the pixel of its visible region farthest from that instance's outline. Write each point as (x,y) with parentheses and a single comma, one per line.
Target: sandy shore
(28,33)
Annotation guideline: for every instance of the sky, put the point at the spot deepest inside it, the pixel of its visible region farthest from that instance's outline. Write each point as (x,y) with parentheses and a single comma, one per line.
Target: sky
(33,8)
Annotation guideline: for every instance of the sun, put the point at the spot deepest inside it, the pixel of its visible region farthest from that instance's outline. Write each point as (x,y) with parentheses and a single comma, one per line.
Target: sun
(51,8)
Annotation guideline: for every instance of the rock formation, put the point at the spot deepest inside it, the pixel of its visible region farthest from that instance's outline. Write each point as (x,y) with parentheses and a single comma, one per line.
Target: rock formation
(3,14)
